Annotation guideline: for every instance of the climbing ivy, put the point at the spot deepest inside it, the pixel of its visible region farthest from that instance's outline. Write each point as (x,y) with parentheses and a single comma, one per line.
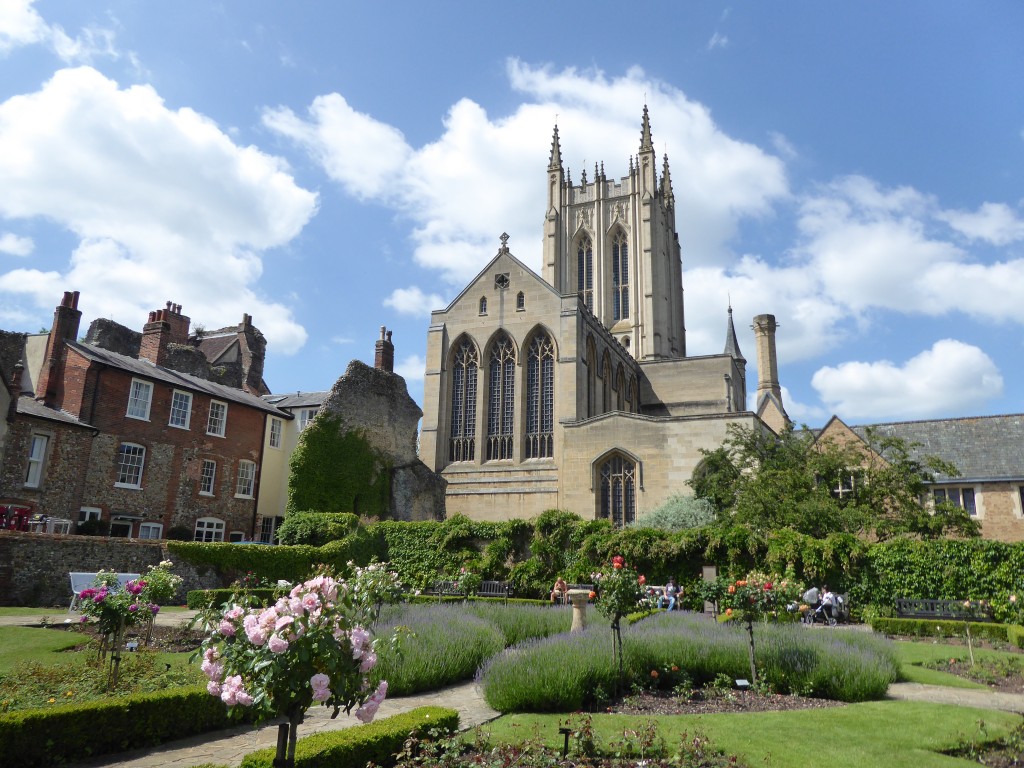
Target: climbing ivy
(334,471)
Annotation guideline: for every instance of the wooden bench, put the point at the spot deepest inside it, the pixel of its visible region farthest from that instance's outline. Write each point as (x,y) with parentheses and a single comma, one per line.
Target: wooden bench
(443,589)
(955,610)
(81,580)
(502,589)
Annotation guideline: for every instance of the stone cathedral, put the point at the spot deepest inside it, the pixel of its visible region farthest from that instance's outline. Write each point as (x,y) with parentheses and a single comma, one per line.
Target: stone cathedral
(572,389)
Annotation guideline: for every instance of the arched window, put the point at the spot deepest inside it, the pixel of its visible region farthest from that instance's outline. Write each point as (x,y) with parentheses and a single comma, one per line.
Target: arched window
(520,301)
(634,397)
(591,377)
(483,305)
(501,399)
(620,390)
(606,384)
(618,491)
(540,398)
(620,277)
(585,271)
(462,445)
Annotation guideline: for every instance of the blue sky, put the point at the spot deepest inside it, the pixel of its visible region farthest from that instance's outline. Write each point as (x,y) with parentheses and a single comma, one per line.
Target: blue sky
(330,167)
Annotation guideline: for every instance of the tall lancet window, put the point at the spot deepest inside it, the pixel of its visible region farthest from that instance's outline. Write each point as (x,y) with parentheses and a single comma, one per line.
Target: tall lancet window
(620,277)
(618,491)
(462,443)
(585,271)
(501,399)
(540,398)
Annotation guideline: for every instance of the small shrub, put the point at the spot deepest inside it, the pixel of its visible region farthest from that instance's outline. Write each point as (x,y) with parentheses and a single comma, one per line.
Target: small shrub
(939,628)
(316,528)
(378,741)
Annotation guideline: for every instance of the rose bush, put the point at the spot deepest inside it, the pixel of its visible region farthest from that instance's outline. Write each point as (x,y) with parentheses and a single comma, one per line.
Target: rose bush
(619,592)
(312,645)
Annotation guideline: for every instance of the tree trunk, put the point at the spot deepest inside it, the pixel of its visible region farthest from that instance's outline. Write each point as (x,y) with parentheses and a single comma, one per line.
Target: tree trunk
(750,649)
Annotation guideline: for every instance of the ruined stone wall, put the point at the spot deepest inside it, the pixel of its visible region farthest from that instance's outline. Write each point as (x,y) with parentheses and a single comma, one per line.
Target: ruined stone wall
(34,567)
(12,347)
(114,337)
(375,406)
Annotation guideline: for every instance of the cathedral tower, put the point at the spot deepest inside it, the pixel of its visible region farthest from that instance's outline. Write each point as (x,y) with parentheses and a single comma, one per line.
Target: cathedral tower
(615,244)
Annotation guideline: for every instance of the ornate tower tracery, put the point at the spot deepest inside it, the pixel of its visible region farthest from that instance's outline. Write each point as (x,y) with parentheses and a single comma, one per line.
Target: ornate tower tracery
(615,243)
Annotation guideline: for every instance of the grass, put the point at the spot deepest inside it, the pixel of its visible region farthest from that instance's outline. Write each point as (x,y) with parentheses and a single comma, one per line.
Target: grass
(895,734)
(913,655)
(59,613)
(20,645)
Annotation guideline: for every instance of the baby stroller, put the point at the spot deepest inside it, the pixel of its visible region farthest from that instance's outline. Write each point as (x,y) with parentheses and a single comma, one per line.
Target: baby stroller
(830,614)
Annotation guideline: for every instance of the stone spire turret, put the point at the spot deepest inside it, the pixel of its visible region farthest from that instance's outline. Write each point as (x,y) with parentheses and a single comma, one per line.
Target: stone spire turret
(666,189)
(646,145)
(732,344)
(555,162)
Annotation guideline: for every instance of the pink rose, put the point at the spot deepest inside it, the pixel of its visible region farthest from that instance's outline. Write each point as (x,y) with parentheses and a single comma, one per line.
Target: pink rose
(213,688)
(226,628)
(278,644)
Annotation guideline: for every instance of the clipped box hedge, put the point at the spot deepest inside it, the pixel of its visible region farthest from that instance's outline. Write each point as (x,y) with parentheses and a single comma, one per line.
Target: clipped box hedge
(939,628)
(378,741)
(73,732)
(1015,635)
(201,599)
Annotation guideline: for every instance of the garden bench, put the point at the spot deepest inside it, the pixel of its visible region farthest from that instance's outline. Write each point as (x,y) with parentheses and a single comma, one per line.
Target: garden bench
(502,589)
(81,580)
(959,610)
(444,589)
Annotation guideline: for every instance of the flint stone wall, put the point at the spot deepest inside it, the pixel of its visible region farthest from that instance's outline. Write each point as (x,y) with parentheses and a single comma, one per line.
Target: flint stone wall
(34,567)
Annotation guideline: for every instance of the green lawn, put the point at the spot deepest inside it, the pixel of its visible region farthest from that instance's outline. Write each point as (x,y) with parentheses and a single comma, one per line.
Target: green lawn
(894,734)
(912,655)
(19,645)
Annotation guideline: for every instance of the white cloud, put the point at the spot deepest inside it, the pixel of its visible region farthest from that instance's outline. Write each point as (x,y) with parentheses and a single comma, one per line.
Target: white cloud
(483,175)
(412,301)
(14,245)
(874,248)
(951,377)
(341,340)
(717,41)
(782,145)
(412,368)
(995,223)
(20,24)
(165,205)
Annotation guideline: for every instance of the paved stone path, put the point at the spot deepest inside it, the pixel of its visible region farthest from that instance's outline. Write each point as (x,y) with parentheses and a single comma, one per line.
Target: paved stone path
(230,746)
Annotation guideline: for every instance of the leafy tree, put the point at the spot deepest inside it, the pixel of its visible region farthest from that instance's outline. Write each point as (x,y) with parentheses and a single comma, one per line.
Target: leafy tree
(715,479)
(818,487)
(678,513)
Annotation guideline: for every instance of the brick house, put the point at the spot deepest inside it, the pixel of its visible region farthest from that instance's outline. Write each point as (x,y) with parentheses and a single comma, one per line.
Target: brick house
(153,444)
(988,451)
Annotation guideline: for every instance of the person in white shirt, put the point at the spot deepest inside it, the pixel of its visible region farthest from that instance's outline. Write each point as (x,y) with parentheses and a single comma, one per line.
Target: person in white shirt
(669,595)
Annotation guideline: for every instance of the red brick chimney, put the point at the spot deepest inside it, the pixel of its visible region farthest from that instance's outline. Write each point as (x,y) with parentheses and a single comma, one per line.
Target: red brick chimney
(384,353)
(66,319)
(165,326)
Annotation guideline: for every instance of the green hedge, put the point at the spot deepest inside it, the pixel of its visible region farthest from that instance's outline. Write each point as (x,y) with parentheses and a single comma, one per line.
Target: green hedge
(1015,635)
(940,628)
(200,599)
(378,741)
(72,732)
(530,554)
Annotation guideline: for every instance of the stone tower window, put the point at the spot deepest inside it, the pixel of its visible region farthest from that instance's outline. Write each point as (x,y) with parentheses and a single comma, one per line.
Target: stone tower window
(618,491)
(585,271)
(483,305)
(462,443)
(540,398)
(520,301)
(501,399)
(620,390)
(620,277)
(606,384)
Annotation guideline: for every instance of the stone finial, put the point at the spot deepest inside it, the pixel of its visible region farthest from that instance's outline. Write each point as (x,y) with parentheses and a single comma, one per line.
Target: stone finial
(555,161)
(646,145)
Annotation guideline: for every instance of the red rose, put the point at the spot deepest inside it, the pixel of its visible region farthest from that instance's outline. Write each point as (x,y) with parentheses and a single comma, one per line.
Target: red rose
(642,579)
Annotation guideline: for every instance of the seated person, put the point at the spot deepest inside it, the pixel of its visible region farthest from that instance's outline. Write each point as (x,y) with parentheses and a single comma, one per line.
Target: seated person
(669,595)
(559,591)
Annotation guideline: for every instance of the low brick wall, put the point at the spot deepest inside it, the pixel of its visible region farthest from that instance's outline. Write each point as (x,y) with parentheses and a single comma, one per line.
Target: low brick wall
(34,567)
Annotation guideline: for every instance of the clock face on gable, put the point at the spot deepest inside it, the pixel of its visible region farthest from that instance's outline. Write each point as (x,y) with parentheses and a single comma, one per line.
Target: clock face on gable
(501,280)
